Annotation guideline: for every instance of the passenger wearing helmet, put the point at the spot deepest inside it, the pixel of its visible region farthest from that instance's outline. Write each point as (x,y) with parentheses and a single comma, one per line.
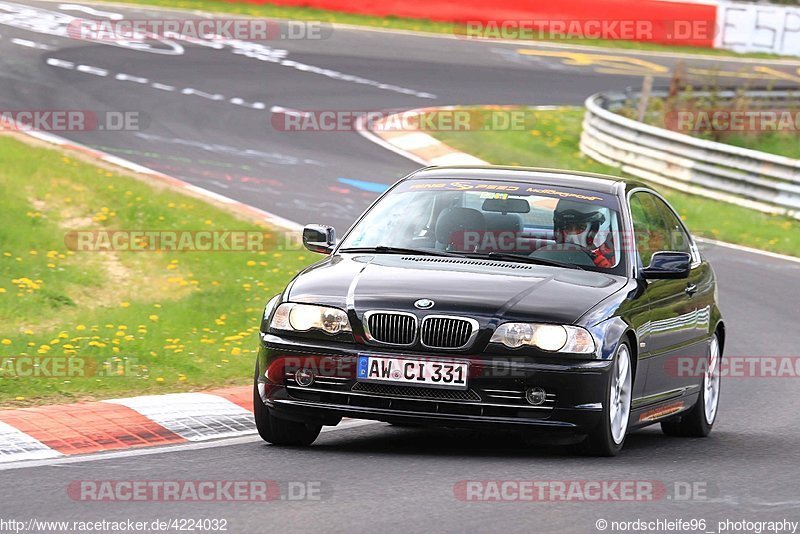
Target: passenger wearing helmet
(585,226)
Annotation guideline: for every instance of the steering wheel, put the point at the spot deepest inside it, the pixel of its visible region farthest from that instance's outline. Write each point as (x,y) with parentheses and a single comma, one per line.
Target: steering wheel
(566,252)
(574,246)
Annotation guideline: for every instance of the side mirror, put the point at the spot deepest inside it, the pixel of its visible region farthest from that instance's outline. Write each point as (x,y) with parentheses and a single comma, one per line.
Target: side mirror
(669,265)
(319,238)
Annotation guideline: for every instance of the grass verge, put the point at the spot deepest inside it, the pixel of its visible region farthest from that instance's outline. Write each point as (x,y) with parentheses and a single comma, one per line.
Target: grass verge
(552,140)
(780,137)
(420,25)
(130,322)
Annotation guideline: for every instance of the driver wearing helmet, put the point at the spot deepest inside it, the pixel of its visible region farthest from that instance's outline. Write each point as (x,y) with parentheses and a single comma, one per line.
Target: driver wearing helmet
(584,225)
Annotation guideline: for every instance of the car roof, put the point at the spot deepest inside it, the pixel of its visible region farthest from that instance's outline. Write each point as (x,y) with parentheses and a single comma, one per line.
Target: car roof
(600,183)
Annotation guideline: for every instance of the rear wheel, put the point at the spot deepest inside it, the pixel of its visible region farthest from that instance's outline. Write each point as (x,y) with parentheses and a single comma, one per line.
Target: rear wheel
(280,431)
(609,436)
(699,421)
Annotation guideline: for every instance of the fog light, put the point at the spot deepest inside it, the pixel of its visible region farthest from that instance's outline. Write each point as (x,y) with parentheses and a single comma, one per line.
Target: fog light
(536,396)
(304,377)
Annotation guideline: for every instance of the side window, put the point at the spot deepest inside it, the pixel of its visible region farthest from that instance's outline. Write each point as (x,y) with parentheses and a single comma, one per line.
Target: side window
(650,230)
(677,239)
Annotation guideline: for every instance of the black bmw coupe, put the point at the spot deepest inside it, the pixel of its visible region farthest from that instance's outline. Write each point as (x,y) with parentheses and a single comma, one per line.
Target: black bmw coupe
(490,297)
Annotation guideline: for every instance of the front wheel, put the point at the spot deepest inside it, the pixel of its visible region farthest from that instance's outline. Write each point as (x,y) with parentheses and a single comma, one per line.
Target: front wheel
(699,421)
(280,431)
(609,436)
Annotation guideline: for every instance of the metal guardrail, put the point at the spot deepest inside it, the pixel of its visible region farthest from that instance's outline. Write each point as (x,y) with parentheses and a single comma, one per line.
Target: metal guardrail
(749,178)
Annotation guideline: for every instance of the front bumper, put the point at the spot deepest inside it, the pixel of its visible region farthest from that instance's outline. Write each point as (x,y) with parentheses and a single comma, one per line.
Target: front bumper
(495,398)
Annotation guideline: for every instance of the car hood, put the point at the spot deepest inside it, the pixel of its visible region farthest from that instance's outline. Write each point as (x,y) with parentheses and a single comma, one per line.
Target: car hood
(481,289)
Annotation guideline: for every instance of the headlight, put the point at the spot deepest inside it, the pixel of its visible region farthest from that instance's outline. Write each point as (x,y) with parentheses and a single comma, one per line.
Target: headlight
(268,309)
(546,337)
(305,317)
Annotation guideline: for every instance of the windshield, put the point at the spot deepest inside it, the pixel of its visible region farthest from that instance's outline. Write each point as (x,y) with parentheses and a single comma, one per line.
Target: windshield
(509,221)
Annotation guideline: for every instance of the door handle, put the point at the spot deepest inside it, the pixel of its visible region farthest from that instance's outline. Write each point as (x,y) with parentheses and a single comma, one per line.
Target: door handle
(691,289)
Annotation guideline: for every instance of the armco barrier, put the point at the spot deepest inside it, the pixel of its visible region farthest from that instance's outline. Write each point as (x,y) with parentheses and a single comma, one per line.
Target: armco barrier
(766,182)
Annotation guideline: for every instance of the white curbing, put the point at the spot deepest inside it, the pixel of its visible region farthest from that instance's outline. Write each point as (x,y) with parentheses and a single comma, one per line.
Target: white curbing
(16,445)
(193,416)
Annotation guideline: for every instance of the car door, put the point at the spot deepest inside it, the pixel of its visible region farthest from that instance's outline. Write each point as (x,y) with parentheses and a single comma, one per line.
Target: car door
(670,330)
(680,369)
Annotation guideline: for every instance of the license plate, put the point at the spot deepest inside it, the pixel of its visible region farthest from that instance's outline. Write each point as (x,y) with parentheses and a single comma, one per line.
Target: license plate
(413,372)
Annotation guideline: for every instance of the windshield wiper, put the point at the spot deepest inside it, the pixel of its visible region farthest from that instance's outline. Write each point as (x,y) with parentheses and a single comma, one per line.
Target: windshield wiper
(381,249)
(506,256)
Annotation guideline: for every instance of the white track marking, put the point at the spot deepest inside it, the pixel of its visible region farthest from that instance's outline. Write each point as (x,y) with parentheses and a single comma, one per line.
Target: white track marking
(31,44)
(88,69)
(17,445)
(196,92)
(370,136)
(121,76)
(414,141)
(457,158)
(255,105)
(125,164)
(57,24)
(60,63)
(336,75)
(192,446)
(91,11)
(162,87)
(742,248)
(211,194)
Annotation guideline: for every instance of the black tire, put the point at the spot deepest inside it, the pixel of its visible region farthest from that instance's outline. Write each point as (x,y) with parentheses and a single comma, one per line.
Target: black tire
(694,423)
(280,431)
(600,441)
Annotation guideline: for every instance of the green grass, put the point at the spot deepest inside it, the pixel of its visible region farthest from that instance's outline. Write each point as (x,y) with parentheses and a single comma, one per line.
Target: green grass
(783,144)
(773,141)
(420,25)
(551,139)
(143,322)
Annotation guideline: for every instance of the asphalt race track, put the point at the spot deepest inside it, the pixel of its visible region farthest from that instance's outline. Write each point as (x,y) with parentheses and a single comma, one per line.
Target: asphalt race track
(210,113)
